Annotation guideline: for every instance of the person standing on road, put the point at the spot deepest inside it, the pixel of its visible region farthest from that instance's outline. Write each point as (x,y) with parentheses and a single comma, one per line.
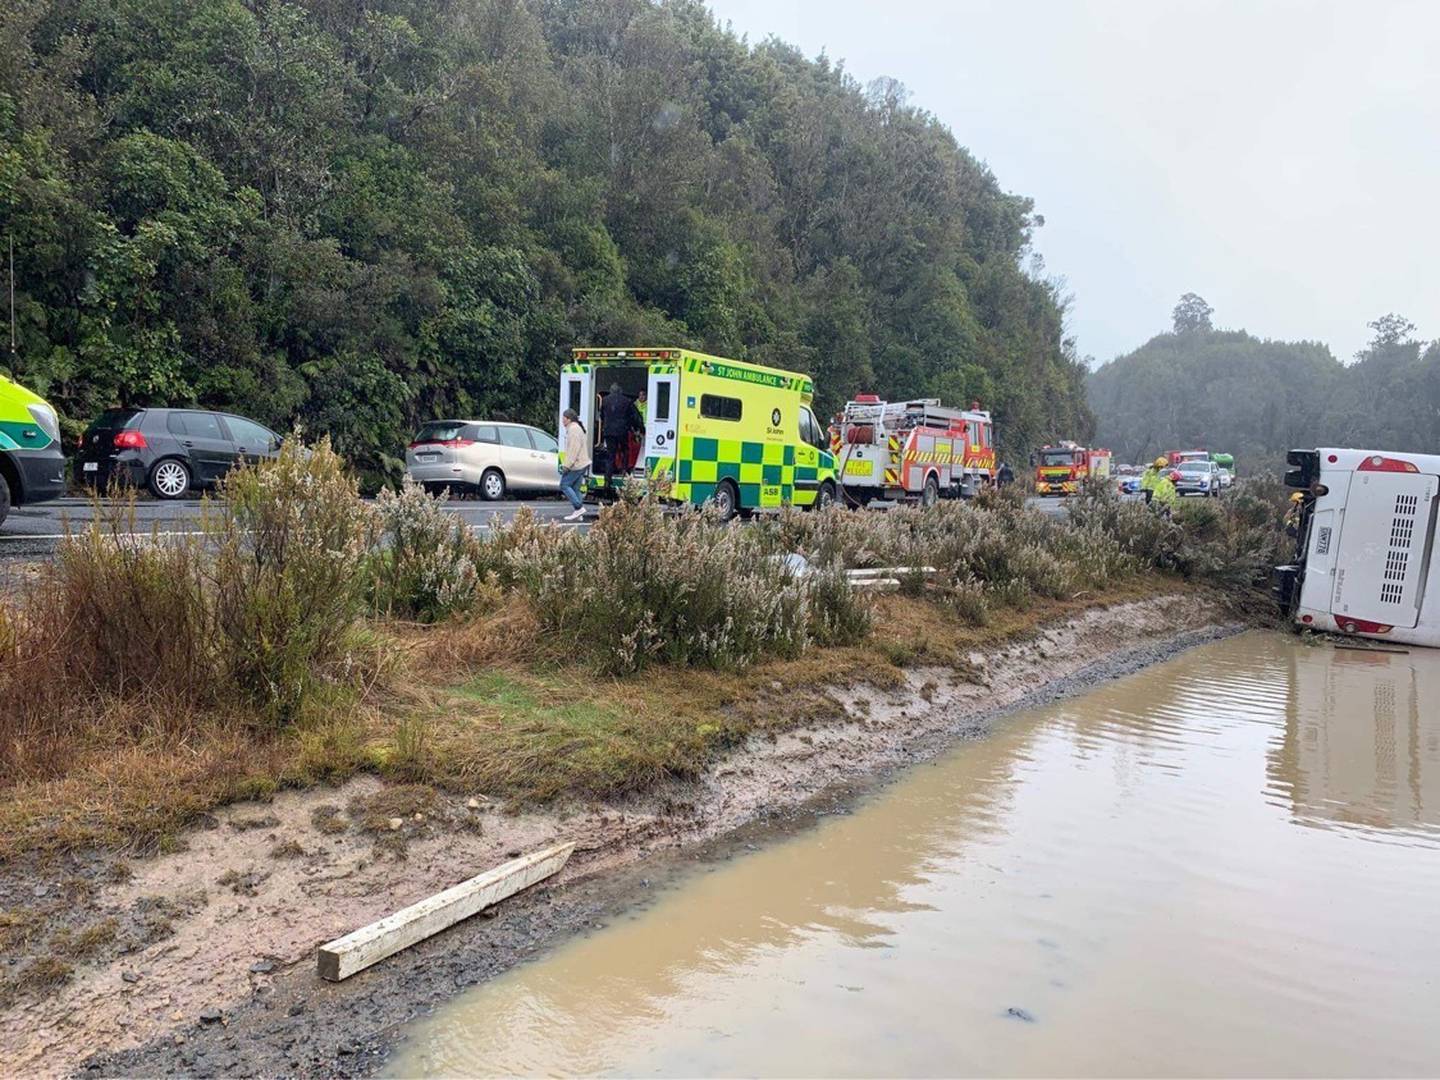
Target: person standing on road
(1163,495)
(1149,476)
(1006,476)
(618,417)
(575,464)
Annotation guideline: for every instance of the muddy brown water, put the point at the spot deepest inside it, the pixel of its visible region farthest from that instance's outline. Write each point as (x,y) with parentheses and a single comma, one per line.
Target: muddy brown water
(1228,864)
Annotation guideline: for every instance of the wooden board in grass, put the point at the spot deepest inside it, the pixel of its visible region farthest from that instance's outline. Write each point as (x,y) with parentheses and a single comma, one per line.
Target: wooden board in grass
(343,957)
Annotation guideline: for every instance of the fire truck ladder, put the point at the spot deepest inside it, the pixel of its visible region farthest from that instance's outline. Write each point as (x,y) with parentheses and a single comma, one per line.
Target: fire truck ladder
(901,416)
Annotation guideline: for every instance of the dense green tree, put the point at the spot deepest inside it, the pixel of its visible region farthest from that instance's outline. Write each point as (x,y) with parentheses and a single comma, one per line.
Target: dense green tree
(355,216)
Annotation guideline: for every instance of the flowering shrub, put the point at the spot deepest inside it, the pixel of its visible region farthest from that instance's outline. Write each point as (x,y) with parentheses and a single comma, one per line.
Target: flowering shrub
(986,550)
(293,540)
(646,586)
(428,569)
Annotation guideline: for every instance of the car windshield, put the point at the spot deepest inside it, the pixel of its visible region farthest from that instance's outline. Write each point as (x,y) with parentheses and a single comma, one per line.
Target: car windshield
(1195,468)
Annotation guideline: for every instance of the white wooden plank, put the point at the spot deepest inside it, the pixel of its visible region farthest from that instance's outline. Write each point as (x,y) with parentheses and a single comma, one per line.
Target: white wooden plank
(880,584)
(343,957)
(888,571)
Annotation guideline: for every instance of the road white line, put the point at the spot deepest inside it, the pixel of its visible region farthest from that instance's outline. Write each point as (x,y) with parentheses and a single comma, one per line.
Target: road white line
(146,534)
(77,532)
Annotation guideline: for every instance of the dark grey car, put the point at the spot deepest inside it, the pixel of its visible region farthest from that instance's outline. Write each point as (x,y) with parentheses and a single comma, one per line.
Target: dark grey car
(169,451)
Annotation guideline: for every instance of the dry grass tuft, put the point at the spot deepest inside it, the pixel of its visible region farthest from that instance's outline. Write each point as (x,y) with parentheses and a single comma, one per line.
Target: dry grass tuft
(327,819)
(85,942)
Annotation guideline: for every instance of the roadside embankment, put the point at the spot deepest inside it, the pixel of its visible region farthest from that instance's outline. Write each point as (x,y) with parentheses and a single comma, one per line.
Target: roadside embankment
(227,923)
(216,754)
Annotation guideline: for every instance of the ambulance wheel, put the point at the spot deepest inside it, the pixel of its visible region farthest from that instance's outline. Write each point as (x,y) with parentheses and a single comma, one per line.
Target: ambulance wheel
(4,499)
(824,497)
(931,495)
(726,500)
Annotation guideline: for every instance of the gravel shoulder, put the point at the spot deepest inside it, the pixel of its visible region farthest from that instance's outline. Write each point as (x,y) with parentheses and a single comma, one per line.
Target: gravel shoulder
(214,970)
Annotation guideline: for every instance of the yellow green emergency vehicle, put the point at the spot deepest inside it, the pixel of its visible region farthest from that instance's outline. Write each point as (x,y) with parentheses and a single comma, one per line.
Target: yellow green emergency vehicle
(32,466)
(734,434)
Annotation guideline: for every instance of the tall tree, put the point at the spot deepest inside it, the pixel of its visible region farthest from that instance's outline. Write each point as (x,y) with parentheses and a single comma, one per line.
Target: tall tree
(358,215)
(1192,315)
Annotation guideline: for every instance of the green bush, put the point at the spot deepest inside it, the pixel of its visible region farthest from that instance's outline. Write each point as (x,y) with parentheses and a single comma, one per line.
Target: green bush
(646,585)
(293,541)
(1231,542)
(993,545)
(429,567)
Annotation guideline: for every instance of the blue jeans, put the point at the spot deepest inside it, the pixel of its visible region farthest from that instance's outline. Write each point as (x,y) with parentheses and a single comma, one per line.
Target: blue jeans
(570,486)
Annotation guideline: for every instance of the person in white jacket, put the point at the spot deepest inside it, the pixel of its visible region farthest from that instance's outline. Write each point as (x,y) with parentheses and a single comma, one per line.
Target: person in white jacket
(575,464)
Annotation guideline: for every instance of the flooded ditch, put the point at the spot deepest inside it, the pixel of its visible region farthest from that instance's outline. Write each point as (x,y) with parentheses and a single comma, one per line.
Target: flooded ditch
(1224,864)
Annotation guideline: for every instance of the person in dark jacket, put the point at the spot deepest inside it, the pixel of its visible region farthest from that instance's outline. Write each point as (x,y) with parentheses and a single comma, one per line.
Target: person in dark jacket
(618,417)
(1006,476)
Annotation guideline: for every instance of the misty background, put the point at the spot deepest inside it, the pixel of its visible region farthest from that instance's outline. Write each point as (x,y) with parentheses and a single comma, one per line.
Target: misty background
(1279,158)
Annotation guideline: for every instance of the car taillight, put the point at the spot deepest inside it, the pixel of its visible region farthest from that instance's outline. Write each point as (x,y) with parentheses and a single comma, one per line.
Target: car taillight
(130,440)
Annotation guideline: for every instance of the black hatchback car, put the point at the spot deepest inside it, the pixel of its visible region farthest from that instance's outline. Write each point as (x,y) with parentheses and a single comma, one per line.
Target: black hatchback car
(169,451)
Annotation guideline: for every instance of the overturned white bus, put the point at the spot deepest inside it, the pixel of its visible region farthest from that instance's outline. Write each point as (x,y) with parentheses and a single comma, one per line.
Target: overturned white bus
(1364,545)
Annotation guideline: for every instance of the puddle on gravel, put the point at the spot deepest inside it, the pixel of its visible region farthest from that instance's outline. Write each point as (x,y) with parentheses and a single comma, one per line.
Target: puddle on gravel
(1227,864)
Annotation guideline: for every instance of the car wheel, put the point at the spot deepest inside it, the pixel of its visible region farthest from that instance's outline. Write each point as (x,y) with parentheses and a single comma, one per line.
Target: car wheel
(931,495)
(726,500)
(492,485)
(4,500)
(169,479)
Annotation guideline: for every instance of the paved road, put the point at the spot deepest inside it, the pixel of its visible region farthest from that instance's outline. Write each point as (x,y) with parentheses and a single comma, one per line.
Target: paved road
(33,532)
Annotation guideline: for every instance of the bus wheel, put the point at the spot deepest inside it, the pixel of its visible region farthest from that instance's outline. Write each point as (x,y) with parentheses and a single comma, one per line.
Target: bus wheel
(931,495)
(726,500)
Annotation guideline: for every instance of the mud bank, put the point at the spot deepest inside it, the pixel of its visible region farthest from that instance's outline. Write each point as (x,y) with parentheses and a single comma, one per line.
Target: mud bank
(227,984)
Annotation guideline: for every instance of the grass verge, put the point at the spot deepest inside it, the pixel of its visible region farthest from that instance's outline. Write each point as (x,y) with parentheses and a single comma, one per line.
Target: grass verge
(308,637)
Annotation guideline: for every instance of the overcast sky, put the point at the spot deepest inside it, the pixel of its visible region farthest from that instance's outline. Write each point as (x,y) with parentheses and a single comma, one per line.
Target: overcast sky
(1281,158)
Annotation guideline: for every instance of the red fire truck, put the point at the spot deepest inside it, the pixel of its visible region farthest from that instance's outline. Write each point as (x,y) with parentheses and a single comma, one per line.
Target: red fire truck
(1065,469)
(912,450)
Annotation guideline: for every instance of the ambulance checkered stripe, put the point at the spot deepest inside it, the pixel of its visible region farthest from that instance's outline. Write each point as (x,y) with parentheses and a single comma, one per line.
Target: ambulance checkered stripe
(704,462)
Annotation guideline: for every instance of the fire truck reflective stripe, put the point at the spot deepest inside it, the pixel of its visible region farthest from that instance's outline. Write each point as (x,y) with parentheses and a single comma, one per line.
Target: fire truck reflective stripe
(892,476)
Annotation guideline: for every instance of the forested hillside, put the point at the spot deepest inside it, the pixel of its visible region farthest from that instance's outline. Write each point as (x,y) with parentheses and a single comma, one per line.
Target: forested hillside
(1226,390)
(358,215)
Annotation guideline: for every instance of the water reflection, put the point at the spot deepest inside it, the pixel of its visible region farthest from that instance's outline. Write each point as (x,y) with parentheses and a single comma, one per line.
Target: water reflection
(1110,885)
(1362,739)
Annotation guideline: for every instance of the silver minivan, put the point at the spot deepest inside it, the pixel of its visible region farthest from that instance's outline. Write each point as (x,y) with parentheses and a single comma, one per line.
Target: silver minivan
(483,455)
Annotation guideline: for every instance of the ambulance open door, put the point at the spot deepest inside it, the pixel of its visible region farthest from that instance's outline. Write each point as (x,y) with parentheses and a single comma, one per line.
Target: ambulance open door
(662,409)
(577,391)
